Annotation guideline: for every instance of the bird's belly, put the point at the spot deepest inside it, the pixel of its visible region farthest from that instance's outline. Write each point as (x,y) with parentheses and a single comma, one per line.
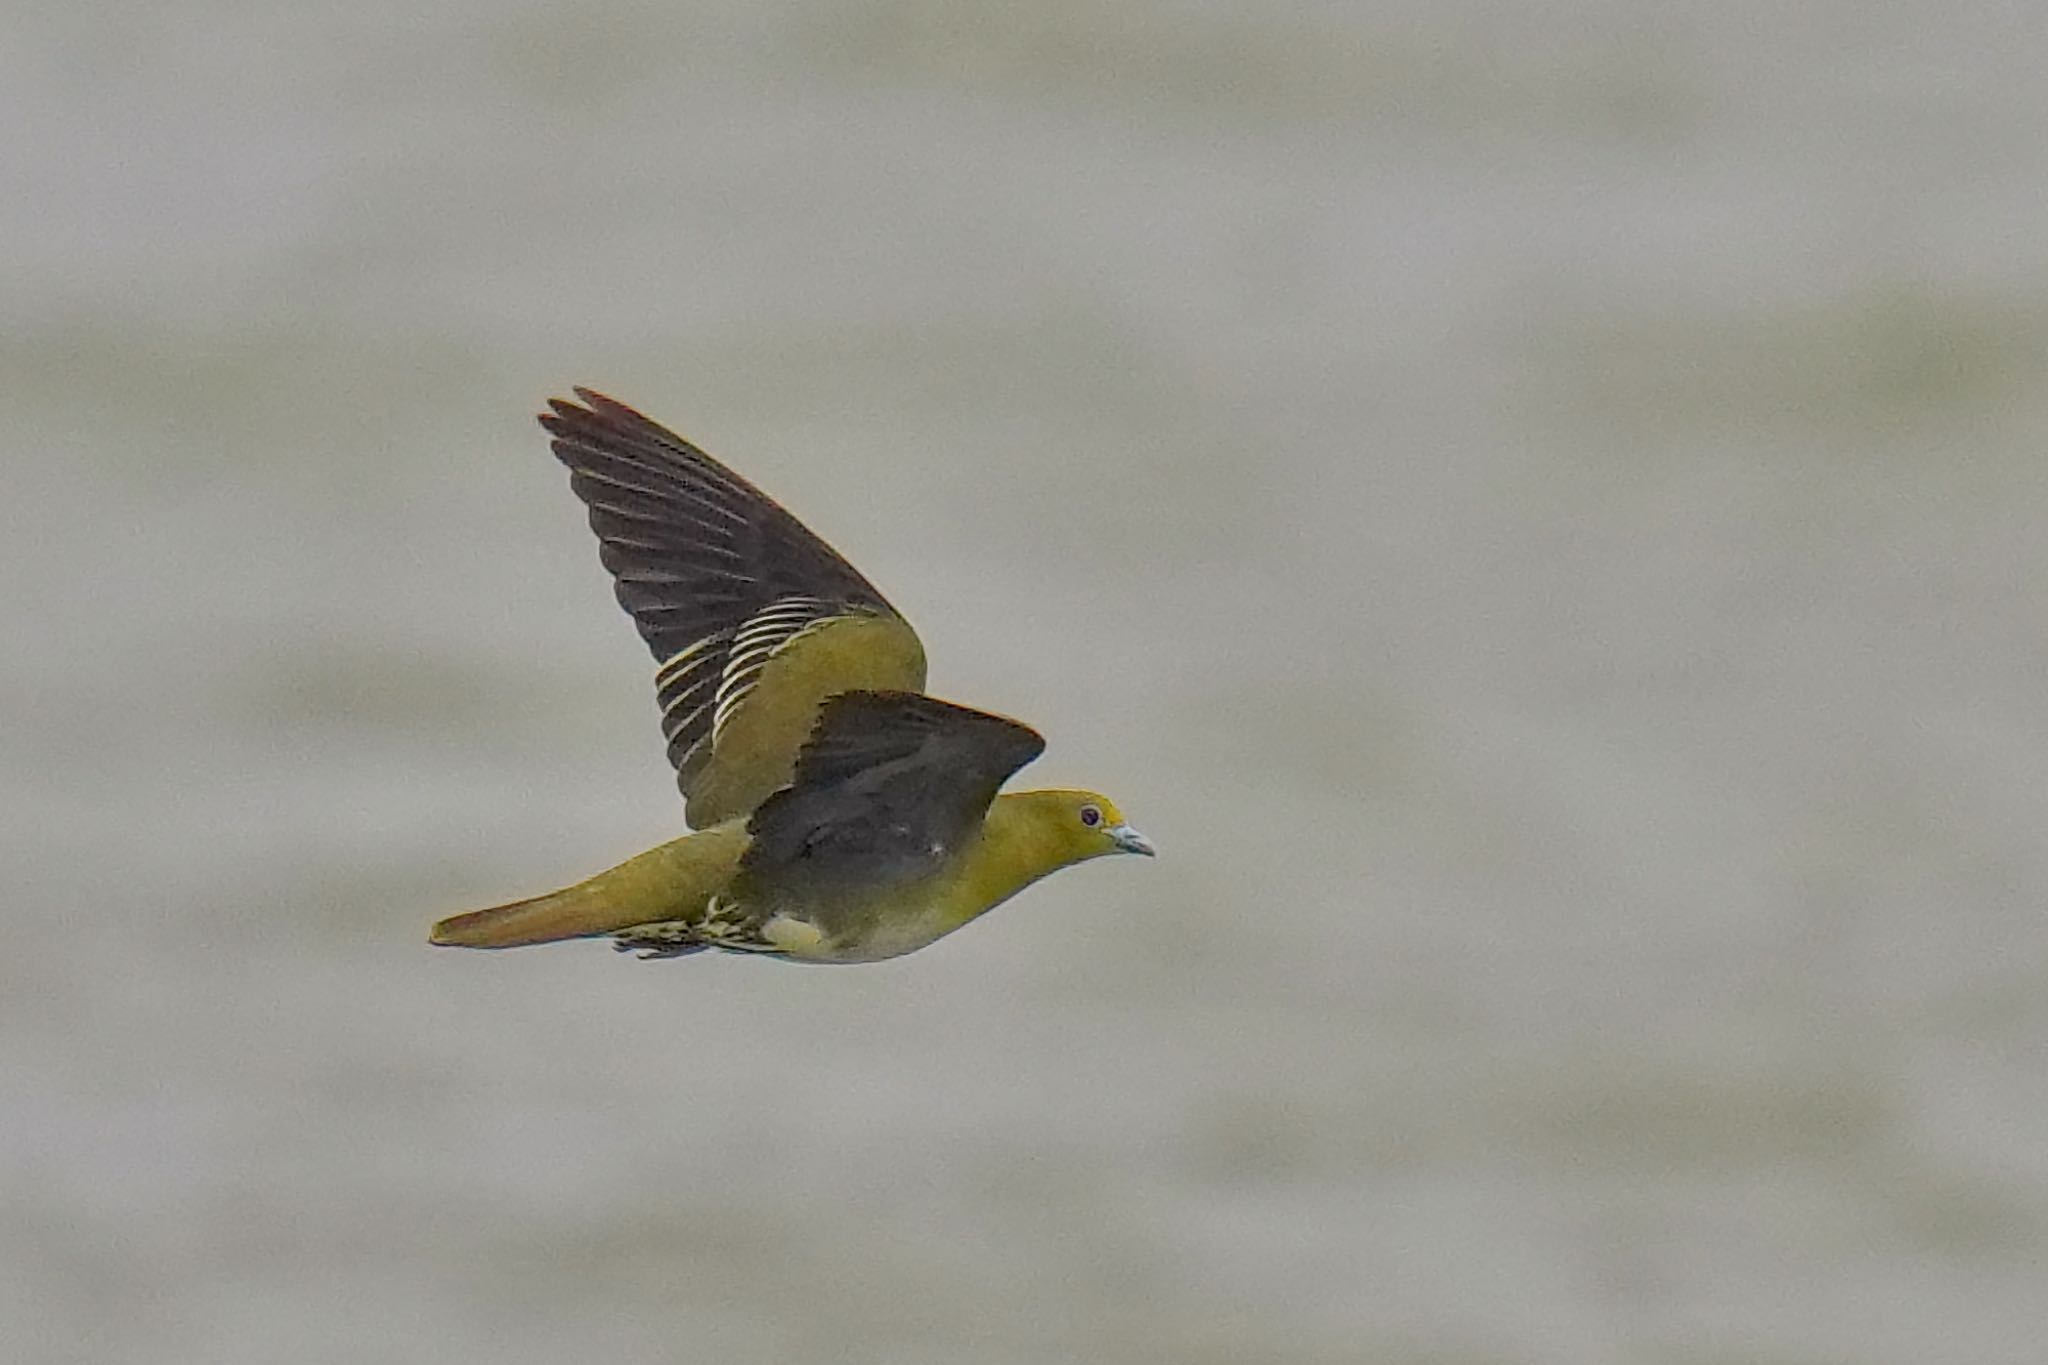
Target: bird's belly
(857,938)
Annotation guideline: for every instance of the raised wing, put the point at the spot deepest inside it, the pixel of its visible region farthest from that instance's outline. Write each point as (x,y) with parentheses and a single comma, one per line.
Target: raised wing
(754,619)
(891,784)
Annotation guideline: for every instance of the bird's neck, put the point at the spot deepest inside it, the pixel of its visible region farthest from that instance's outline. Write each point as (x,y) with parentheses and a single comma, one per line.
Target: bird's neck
(1015,848)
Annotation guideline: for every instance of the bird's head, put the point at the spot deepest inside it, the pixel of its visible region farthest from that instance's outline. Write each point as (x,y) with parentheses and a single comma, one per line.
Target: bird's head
(1084,824)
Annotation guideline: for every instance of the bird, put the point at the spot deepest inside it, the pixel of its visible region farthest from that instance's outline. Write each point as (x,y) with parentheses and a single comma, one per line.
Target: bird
(838,813)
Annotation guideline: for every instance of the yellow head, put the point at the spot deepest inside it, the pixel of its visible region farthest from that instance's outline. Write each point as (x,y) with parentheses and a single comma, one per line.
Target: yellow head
(1071,826)
(1030,834)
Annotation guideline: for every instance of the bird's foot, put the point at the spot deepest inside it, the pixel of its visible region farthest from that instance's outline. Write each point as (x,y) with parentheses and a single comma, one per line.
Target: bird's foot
(664,938)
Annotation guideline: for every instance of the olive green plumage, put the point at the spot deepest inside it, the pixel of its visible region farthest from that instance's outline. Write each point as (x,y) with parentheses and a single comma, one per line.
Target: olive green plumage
(841,815)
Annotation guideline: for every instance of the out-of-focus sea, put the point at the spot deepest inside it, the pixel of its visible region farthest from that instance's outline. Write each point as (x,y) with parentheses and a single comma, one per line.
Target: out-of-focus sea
(1538,510)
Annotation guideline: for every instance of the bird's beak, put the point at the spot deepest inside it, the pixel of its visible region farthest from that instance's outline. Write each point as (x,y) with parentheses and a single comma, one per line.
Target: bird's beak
(1129,840)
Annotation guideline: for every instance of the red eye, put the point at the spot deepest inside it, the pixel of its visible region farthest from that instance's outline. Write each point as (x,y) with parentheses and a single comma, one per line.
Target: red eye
(1091,816)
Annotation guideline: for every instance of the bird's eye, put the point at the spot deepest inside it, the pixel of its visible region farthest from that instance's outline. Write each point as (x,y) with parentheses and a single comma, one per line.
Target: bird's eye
(1091,816)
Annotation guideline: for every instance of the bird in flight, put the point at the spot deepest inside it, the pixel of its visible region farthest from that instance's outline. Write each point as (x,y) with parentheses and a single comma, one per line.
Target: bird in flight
(840,814)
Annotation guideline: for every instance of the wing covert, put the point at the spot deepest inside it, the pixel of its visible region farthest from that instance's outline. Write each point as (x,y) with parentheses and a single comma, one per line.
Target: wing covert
(889,786)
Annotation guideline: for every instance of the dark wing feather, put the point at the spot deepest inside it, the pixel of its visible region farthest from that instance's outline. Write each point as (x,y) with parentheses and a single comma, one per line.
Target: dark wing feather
(890,786)
(715,574)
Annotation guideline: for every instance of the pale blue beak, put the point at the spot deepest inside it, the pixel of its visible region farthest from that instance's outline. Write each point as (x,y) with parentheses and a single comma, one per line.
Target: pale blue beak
(1129,840)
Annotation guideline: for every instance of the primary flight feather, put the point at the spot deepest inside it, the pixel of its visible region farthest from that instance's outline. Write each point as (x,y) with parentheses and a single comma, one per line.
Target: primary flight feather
(841,815)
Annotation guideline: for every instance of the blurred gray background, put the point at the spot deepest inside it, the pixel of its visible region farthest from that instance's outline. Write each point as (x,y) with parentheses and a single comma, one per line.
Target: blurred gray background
(1536,509)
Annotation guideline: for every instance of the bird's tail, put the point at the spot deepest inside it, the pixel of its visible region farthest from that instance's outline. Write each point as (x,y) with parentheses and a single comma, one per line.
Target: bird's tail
(670,882)
(573,913)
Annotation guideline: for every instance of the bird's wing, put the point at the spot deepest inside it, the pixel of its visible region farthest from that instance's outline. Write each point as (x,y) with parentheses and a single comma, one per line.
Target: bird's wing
(889,787)
(754,620)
